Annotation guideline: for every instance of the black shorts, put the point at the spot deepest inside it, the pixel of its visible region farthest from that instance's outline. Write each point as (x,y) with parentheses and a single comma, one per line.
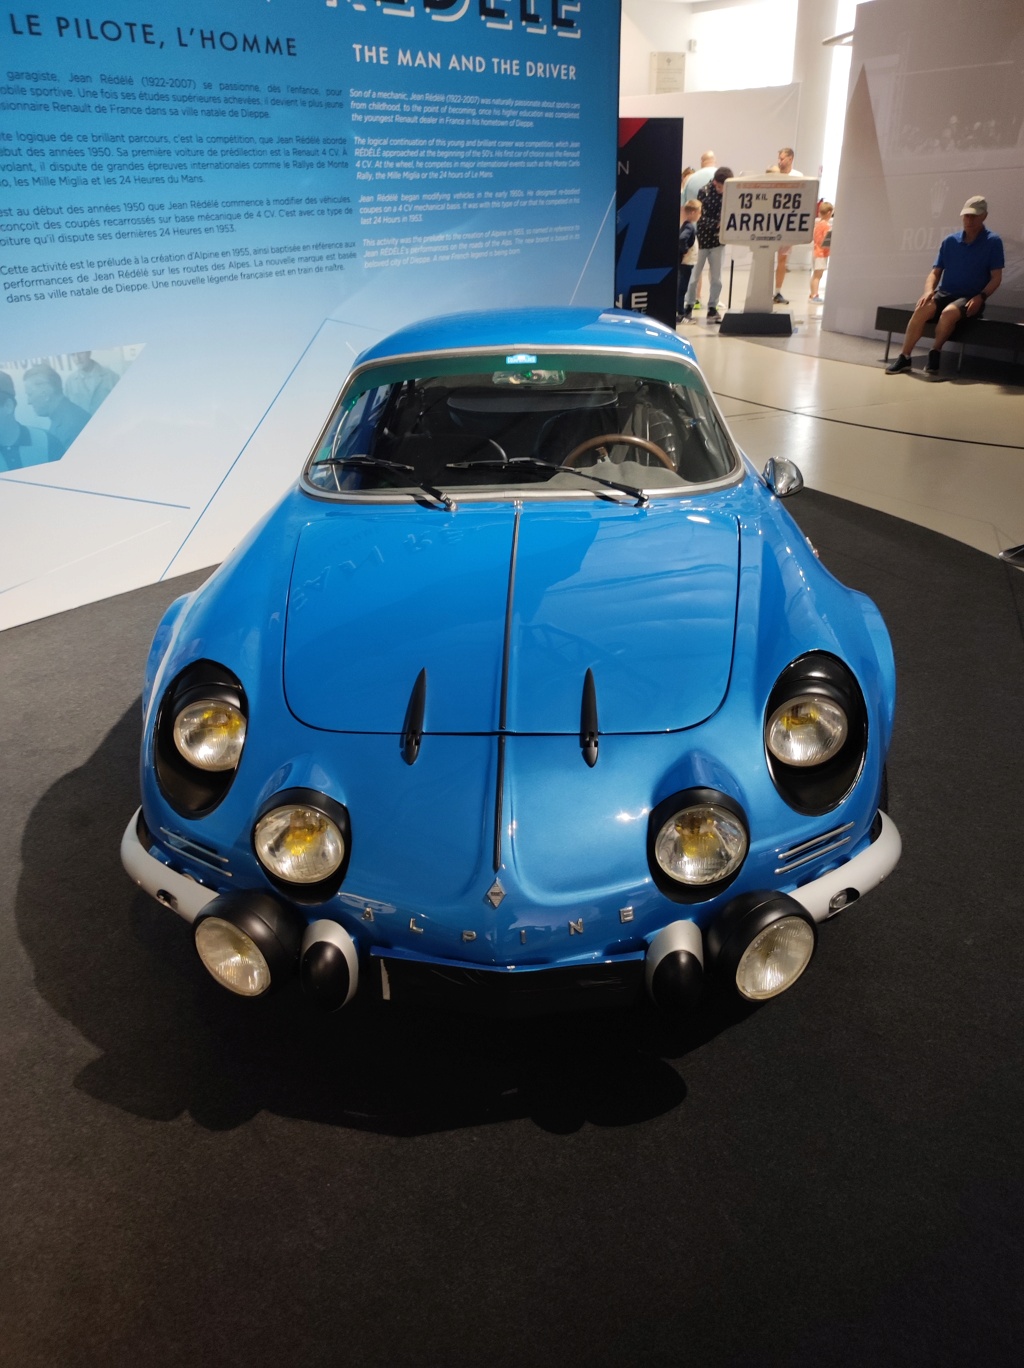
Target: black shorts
(942,301)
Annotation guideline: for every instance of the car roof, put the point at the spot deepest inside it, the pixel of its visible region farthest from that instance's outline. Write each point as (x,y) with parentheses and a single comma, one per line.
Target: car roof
(531,329)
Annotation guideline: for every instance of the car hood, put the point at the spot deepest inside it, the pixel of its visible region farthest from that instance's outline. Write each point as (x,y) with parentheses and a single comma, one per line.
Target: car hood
(644,598)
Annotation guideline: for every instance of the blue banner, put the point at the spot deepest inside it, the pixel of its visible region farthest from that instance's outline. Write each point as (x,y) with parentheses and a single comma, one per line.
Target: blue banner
(647,222)
(207,211)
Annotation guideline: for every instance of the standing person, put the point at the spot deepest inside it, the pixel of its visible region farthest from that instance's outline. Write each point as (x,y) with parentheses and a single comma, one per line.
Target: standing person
(822,247)
(783,167)
(691,212)
(969,270)
(697,180)
(20,446)
(89,383)
(709,247)
(695,183)
(45,392)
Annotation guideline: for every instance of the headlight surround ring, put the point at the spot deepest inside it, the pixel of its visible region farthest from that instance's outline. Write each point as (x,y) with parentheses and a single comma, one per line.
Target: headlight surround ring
(810,785)
(310,831)
(710,839)
(194,790)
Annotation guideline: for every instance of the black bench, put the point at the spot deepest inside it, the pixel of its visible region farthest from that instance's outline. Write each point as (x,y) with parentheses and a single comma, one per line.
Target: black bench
(999,330)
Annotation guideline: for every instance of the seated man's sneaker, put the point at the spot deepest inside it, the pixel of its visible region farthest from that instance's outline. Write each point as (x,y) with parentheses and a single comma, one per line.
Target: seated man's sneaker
(899,363)
(932,364)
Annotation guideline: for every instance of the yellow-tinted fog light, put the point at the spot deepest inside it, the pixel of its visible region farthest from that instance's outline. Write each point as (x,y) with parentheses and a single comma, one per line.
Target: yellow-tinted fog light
(210,735)
(299,844)
(701,845)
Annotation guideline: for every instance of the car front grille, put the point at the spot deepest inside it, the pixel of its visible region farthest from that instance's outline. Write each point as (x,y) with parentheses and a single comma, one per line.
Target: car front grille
(814,849)
(192,850)
(504,993)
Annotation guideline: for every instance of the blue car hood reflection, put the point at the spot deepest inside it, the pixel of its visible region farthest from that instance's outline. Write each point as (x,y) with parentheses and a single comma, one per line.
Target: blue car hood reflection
(643,597)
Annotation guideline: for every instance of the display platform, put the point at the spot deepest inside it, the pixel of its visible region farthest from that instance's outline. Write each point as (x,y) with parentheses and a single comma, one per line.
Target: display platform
(742,324)
(833,1178)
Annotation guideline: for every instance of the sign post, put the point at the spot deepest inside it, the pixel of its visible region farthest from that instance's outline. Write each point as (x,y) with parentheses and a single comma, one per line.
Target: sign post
(765,213)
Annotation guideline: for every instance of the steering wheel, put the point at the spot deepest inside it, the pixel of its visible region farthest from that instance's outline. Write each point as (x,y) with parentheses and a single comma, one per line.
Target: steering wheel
(611,438)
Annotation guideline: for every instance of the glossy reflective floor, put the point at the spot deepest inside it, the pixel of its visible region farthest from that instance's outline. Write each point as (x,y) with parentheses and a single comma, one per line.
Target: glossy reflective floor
(947,454)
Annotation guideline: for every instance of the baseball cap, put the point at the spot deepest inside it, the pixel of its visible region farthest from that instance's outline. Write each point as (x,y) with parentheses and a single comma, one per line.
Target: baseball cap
(977,204)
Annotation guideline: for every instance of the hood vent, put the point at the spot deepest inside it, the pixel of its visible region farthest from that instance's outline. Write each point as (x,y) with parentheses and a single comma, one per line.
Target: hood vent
(412,728)
(588,720)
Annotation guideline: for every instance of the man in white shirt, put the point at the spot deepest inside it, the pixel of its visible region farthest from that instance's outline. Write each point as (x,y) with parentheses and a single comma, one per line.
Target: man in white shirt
(89,383)
(697,182)
(783,167)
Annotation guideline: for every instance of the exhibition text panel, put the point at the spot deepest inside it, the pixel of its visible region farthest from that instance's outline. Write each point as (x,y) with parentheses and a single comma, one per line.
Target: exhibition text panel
(152,155)
(204,211)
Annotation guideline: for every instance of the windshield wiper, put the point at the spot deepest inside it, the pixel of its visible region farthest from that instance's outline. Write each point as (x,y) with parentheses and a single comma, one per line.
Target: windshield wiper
(535,464)
(393,468)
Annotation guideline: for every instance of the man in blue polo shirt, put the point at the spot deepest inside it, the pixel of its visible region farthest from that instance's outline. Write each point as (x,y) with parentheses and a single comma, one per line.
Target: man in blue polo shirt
(969,268)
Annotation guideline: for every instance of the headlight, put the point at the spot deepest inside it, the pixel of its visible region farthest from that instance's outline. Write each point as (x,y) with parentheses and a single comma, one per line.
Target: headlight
(248,941)
(199,737)
(299,844)
(210,734)
(761,942)
(815,733)
(775,959)
(701,845)
(806,730)
(233,958)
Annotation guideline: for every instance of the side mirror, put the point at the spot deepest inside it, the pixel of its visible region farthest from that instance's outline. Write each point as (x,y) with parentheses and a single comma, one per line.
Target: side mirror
(782,477)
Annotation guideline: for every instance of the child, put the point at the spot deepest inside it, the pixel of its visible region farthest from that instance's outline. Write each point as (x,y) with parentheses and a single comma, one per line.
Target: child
(822,247)
(690,213)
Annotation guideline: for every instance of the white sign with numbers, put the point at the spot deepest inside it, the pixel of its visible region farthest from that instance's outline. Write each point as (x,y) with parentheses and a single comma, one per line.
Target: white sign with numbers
(768,211)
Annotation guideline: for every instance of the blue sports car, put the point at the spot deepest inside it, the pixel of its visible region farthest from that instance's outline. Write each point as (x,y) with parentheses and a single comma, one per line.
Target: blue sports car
(528,696)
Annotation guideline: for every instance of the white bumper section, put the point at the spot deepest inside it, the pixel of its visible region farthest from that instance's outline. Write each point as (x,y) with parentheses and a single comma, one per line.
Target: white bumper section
(823,897)
(173,890)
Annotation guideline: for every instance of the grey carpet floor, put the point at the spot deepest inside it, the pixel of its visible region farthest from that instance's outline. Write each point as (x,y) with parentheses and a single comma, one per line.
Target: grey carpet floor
(834,1179)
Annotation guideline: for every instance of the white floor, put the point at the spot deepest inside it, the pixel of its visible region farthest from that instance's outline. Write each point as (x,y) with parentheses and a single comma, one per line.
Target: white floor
(947,454)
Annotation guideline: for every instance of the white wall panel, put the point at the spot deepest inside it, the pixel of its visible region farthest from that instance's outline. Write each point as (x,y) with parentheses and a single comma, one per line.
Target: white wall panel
(935,114)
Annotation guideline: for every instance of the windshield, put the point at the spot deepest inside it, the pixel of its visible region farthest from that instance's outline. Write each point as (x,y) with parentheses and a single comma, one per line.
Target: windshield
(539,424)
